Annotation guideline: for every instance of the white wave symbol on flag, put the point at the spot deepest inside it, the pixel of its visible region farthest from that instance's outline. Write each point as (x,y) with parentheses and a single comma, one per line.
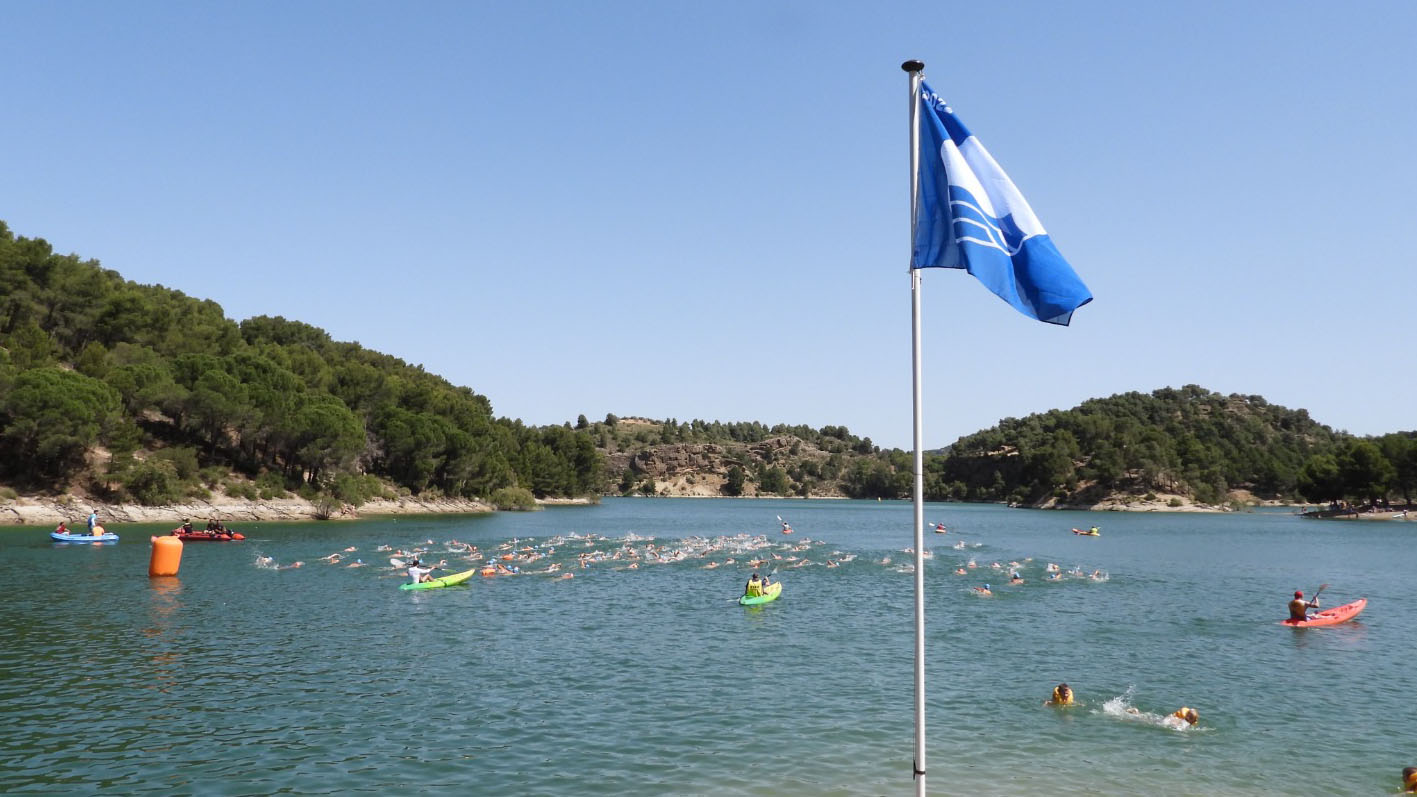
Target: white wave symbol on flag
(969,221)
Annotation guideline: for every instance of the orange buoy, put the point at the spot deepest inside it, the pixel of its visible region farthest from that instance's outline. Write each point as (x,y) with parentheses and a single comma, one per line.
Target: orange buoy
(166,556)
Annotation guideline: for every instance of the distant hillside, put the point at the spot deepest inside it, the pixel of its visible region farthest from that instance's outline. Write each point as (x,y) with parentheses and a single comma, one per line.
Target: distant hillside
(711,458)
(1190,445)
(139,394)
(1188,442)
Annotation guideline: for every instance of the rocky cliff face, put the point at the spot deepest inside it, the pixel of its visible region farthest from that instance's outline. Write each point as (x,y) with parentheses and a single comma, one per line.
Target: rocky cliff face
(701,469)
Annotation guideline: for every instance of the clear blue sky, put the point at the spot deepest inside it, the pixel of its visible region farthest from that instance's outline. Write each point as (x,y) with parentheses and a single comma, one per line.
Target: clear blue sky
(700,210)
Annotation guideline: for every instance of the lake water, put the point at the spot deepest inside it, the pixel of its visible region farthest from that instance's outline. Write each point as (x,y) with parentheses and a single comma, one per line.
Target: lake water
(238,679)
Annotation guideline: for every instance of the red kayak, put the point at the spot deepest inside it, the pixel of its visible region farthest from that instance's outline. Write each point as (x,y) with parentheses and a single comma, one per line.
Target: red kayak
(1334,616)
(219,536)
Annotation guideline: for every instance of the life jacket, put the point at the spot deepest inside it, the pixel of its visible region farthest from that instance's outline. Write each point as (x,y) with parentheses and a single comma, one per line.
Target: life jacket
(754,590)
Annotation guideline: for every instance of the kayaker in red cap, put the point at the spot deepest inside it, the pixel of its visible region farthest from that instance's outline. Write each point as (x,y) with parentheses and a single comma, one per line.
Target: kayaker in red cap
(1299,608)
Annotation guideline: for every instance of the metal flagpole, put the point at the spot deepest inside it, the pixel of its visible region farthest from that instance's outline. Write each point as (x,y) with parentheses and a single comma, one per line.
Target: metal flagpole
(914,68)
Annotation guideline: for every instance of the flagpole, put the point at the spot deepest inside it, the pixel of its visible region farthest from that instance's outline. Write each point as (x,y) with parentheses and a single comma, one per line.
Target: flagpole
(914,68)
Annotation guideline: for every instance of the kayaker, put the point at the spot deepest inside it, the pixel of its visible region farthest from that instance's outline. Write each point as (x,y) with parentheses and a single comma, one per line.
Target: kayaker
(1062,696)
(419,573)
(186,527)
(61,528)
(1187,714)
(1409,780)
(1299,608)
(1094,530)
(754,587)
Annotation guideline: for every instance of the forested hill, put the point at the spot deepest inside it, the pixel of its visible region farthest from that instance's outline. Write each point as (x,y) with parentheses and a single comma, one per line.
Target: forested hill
(1188,442)
(139,393)
(1189,445)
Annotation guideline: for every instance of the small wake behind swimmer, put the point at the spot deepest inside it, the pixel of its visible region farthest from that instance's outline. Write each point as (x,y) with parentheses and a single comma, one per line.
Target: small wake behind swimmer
(264,562)
(1120,707)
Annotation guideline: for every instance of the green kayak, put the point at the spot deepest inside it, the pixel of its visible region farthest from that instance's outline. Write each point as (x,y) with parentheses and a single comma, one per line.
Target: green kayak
(773,591)
(445,581)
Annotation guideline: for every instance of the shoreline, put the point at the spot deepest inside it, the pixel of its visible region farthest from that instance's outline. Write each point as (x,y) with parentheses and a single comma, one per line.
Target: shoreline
(31,511)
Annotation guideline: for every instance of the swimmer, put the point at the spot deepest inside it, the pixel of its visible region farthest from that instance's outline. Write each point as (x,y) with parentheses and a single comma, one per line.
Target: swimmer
(291,566)
(1015,578)
(984,590)
(265,561)
(565,576)
(333,558)
(352,549)
(959,571)
(1409,780)
(1062,696)
(356,563)
(1187,714)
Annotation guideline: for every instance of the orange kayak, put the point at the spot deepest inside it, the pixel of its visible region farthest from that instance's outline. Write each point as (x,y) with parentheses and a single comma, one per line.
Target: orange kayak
(1334,616)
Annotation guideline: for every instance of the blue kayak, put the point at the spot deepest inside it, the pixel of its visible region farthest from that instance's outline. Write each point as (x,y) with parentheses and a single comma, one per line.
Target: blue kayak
(107,536)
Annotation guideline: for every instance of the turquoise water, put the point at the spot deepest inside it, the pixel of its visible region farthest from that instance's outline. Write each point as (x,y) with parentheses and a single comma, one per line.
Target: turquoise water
(238,679)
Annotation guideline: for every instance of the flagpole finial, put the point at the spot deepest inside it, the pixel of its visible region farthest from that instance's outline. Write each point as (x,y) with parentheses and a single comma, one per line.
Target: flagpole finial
(913,66)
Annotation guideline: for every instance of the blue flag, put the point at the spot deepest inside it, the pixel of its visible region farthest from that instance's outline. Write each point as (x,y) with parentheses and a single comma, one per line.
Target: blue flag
(969,215)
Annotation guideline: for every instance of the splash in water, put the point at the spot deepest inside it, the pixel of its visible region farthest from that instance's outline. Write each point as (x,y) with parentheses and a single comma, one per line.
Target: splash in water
(1120,707)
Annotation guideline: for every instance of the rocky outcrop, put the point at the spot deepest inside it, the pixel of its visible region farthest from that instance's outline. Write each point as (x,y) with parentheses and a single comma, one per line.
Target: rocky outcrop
(701,469)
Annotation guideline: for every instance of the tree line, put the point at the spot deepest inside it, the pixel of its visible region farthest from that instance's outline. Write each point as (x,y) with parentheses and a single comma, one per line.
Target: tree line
(180,397)
(1187,442)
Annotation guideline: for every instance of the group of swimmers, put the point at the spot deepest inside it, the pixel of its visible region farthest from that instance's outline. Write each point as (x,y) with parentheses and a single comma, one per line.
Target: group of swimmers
(1053,571)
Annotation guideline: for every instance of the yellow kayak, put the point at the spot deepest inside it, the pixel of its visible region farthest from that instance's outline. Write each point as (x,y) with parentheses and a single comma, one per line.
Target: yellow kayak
(445,581)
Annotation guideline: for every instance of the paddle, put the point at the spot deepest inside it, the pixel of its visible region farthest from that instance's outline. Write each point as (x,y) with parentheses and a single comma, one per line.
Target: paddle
(1314,601)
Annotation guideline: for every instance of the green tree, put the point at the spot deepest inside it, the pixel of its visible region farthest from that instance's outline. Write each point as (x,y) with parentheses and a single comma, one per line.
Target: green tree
(1365,472)
(774,480)
(735,481)
(1400,449)
(1320,479)
(50,417)
(326,436)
